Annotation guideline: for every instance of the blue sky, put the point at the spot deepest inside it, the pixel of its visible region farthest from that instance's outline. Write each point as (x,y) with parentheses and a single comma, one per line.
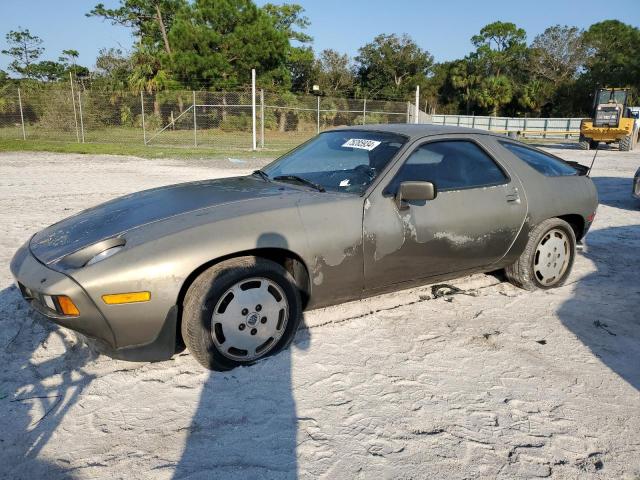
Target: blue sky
(442,28)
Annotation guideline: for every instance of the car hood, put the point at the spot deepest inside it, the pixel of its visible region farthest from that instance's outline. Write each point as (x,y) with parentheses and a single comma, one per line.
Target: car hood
(122,214)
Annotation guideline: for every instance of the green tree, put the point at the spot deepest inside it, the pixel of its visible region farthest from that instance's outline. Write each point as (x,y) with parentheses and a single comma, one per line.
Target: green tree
(289,18)
(615,59)
(148,76)
(216,43)
(392,66)
(47,71)
(150,20)
(501,48)
(335,73)
(303,69)
(494,92)
(439,93)
(300,60)
(113,69)
(69,57)
(25,49)
(465,77)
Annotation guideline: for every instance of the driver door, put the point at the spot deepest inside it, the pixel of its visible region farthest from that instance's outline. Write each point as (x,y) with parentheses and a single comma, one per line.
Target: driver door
(472,222)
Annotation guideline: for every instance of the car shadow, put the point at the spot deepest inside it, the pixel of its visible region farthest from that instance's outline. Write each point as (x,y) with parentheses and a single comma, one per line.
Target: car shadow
(616,192)
(603,311)
(35,394)
(246,422)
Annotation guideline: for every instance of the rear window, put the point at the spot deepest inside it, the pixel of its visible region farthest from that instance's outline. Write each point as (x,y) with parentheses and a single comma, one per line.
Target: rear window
(540,161)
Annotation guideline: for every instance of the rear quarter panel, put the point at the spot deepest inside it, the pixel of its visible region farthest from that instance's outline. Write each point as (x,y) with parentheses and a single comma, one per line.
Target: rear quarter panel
(546,197)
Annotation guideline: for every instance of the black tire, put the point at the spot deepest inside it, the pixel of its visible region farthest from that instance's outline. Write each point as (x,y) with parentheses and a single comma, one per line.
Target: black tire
(204,294)
(593,144)
(625,144)
(523,274)
(583,143)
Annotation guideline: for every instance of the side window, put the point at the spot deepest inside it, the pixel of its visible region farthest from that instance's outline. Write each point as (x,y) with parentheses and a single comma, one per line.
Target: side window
(450,165)
(540,161)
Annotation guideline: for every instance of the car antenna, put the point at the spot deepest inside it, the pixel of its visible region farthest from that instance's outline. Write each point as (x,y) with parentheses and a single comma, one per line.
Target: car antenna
(593,161)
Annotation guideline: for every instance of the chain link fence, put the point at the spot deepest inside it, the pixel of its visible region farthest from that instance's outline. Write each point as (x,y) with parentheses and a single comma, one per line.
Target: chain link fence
(69,112)
(220,120)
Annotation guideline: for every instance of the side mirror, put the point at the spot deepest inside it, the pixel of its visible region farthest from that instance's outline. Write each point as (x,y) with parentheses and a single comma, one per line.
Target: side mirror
(414,191)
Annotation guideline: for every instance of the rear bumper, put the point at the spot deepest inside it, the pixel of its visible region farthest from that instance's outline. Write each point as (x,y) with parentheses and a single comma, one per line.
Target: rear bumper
(35,280)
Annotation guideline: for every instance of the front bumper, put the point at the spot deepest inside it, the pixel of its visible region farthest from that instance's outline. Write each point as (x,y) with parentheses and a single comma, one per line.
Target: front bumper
(35,280)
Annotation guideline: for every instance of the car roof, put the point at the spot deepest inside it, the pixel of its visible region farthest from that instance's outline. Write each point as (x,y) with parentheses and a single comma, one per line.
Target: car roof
(417,130)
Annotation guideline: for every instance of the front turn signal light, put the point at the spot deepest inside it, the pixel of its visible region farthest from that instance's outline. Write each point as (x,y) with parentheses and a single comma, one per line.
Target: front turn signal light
(67,306)
(131,297)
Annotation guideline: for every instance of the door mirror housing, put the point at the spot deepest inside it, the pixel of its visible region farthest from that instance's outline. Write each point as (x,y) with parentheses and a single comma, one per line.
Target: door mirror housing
(416,191)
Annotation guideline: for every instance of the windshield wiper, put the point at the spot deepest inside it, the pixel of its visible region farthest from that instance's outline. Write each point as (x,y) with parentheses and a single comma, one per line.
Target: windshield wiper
(262,174)
(302,180)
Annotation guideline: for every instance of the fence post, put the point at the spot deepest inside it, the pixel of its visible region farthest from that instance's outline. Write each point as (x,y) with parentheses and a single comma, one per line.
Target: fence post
(489,126)
(473,120)
(24,135)
(144,131)
(524,127)
(506,126)
(408,112)
(546,123)
(81,120)
(417,109)
(261,118)
(75,115)
(318,114)
(195,121)
(253,109)
(364,112)
(568,128)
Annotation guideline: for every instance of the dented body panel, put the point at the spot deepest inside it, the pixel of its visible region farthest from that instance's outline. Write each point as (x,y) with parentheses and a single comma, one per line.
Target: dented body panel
(342,246)
(460,230)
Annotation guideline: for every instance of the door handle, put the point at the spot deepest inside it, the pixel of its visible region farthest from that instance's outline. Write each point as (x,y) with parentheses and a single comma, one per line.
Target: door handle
(513,196)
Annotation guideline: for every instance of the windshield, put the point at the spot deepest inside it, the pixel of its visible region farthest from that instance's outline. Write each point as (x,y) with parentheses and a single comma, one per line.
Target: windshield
(615,96)
(340,160)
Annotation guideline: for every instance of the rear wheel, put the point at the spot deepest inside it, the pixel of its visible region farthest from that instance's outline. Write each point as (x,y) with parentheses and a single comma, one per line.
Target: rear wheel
(593,144)
(625,143)
(239,311)
(583,143)
(547,259)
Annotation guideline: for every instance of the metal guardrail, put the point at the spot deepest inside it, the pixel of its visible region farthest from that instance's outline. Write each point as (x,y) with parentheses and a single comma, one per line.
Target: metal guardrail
(524,126)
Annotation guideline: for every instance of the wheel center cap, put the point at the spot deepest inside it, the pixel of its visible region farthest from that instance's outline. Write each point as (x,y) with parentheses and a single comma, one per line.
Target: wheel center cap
(252,319)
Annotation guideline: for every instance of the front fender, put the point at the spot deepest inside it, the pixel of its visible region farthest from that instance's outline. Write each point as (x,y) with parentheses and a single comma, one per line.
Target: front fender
(160,257)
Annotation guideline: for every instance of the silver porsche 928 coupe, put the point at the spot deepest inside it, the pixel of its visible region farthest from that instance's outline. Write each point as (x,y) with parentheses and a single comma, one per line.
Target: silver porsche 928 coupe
(226,266)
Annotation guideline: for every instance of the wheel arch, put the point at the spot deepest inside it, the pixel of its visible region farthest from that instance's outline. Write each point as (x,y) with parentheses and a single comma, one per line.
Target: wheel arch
(576,222)
(289,260)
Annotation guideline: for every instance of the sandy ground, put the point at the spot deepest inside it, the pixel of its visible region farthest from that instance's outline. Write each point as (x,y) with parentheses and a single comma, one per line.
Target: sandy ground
(496,383)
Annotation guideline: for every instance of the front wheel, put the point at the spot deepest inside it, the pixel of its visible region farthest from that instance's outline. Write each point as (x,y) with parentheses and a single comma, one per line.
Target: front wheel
(547,259)
(239,311)
(583,143)
(626,143)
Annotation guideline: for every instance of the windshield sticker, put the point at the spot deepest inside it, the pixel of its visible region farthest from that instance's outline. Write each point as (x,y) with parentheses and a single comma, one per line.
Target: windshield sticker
(361,143)
(344,183)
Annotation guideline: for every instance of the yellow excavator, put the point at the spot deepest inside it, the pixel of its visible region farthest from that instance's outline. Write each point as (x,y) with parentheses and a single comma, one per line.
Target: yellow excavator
(613,121)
